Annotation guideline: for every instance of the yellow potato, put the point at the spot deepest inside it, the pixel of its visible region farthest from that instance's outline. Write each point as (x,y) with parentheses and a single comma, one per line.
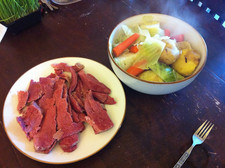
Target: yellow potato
(170,52)
(187,62)
(167,57)
(183,45)
(150,76)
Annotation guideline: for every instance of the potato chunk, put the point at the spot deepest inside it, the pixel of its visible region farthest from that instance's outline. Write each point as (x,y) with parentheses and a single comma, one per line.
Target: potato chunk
(170,52)
(187,62)
(183,45)
(150,76)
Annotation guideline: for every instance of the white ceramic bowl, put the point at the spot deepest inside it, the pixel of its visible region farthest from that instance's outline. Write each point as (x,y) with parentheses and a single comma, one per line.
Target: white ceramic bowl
(174,25)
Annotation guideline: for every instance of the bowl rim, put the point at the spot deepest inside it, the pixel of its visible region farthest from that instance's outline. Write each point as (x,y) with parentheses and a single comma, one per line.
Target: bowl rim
(161,83)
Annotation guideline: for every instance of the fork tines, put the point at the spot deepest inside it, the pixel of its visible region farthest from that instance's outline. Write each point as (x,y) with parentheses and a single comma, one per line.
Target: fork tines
(204,129)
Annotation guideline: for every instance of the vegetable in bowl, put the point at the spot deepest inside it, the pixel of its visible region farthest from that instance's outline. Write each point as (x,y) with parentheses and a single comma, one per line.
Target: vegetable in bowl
(149,52)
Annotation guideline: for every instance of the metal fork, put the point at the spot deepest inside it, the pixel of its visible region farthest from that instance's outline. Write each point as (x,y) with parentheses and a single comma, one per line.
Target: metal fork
(198,138)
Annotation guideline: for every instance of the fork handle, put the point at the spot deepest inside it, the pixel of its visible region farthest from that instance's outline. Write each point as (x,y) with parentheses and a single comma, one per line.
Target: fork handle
(184,157)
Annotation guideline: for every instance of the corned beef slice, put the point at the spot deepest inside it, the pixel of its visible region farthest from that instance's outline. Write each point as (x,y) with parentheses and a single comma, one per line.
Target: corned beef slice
(110,100)
(65,68)
(75,104)
(65,125)
(77,67)
(104,98)
(47,85)
(78,99)
(34,90)
(64,120)
(80,93)
(43,140)
(97,117)
(52,75)
(30,120)
(69,144)
(22,100)
(92,83)
(73,82)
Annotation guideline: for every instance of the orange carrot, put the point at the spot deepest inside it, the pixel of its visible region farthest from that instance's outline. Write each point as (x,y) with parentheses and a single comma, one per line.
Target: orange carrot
(133,70)
(119,49)
(133,49)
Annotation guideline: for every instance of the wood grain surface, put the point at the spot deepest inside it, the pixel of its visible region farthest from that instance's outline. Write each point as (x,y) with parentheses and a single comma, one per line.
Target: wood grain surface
(156,129)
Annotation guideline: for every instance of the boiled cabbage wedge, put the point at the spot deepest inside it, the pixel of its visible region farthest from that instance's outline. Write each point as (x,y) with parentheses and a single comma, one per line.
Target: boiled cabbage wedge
(165,72)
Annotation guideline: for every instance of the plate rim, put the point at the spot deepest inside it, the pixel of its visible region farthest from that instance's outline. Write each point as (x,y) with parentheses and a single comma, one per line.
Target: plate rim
(76,160)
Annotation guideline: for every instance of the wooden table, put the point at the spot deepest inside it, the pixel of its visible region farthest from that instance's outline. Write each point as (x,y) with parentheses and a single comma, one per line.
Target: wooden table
(156,129)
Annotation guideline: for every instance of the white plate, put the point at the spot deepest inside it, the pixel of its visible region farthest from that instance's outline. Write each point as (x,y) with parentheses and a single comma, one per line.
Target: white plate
(89,143)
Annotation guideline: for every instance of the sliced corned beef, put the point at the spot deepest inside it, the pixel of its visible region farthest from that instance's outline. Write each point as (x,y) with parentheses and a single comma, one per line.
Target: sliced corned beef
(104,98)
(64,119)
(43,140)
(31,120)
(78,99)
(92,83)
(22,100)
(34,90)
(65,92)
(52,75)
(97,117)
(58,89)
(75,116)
(73,82)
(80,93)
(69,144)
(47,85)
(75,104)
(110,100)
(62,67)
(77,67)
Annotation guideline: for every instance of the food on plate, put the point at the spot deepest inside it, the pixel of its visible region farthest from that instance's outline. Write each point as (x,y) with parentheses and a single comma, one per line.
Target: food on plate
(153,53)
(54,109)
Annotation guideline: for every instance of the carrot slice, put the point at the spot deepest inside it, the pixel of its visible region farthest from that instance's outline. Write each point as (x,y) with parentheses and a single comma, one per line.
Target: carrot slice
(133,49)
(133,70)
(119,49)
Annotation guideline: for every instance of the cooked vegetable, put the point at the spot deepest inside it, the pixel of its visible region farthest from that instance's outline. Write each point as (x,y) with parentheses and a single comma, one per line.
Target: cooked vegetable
(137,68)
(150,51)
(170,52)
(133,49)
(183,45)
(155,55)
(150,76)
(187,62)
(165,72)
(125,60)
(153,27)
(133,70)
(119,49)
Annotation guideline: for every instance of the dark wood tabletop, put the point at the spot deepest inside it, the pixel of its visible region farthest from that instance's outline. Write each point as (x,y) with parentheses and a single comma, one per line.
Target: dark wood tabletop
(156,130)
